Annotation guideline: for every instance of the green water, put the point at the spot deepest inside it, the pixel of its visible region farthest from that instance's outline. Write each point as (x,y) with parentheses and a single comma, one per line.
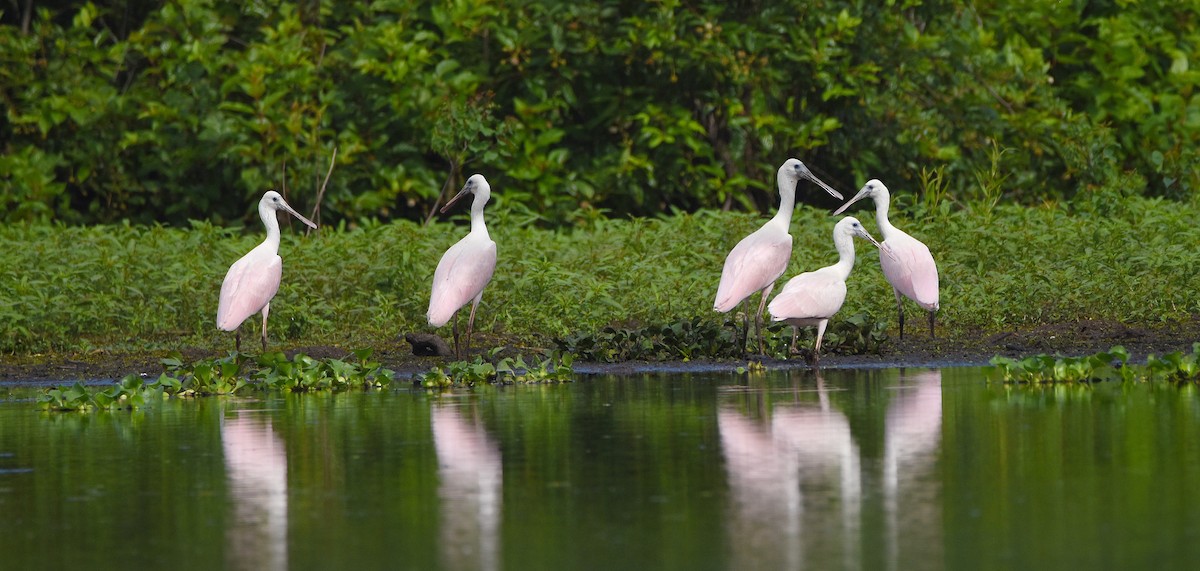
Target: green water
(883,469)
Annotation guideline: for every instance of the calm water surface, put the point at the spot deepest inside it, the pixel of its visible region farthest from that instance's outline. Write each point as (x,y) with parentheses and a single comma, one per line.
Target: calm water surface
(882,469)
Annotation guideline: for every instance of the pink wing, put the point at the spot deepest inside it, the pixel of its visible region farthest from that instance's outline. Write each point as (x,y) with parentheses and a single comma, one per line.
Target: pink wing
(464,270)
(757,261)
(811,295)
(250,284)
(909,267)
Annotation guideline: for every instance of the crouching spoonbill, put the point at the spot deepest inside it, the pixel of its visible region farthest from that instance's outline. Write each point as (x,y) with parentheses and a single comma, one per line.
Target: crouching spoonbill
(812,298)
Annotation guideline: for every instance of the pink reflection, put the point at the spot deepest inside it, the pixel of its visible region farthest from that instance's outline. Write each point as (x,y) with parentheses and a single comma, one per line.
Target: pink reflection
(801,491)
(470,472)
(256,466)
(913,504)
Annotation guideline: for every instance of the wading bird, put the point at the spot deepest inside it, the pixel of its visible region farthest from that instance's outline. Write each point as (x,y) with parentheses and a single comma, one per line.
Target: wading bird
(253,280)
(466,268)
(907,265)
(760,258)
(812,298)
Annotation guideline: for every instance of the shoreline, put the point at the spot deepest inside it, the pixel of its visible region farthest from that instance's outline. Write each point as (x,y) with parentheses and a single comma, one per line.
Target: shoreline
(1075,338)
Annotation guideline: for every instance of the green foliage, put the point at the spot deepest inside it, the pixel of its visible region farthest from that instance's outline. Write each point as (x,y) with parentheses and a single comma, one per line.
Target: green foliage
(706,338)
(1175,366)
(692,339)
(509,370)
(191,109)
(1107,365)
(224,376)
(129,393)
(641,288)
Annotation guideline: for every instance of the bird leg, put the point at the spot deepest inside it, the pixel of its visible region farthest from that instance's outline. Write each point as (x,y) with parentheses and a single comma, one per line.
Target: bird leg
(454,320)
(265,310)
(932,318)
(816,354)
(793,350)
(758,317)
(900,308)
(471,322)
(237,339)
(746,330)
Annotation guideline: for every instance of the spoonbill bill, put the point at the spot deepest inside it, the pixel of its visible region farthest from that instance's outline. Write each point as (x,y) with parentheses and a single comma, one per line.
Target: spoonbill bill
(466,268)
(762,257)
(812,298)
(909,266)
(254,279)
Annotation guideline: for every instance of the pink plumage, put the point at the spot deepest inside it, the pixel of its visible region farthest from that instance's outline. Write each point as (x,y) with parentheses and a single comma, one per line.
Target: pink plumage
(755,263)
(464,270)
(248,287)
(910,269)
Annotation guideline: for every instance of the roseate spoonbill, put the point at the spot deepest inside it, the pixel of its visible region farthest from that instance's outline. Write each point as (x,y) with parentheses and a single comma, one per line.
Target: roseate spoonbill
(253,280)
(909,267)
(813,297)
(760,258)
(466,268)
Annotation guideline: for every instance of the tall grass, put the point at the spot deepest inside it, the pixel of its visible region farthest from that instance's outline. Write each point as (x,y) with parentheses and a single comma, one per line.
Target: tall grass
(129,287)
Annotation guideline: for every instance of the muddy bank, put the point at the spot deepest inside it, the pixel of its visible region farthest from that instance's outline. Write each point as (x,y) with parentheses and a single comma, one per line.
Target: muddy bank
(916,350)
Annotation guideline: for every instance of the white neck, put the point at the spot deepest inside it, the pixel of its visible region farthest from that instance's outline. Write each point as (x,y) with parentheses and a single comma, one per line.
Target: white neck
(882,199)
(787,200)
(271,221)
(844,243)
(481,198)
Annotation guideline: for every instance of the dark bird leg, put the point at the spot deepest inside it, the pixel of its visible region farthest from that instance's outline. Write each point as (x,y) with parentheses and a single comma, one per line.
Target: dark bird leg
(758,318)
(900,309)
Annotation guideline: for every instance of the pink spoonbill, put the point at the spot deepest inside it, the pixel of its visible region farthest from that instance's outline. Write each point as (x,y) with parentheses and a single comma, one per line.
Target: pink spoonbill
(466,268)
(906,262)
(254,279)
(812,298)
(762,257)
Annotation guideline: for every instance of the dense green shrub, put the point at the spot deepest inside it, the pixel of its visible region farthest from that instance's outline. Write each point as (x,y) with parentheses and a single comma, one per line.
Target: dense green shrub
(189,110)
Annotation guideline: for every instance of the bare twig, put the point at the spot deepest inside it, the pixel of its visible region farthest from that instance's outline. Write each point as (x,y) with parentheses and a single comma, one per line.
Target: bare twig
(316,213)
(283,189)
(438,201)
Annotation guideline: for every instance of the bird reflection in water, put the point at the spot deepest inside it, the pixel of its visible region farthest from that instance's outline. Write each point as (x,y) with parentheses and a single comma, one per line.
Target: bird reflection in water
(470,477)
(802,493)
(256,466)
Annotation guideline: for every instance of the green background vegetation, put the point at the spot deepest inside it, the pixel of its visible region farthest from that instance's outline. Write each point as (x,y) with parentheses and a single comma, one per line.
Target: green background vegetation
(172,111)
(128,286)
(1043,150)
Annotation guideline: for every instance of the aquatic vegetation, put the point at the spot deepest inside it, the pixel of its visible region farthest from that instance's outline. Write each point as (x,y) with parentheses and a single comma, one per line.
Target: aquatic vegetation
(302,373)
(1108,365)
(128,393)
(1105,365)
(224,376)
(1175,366)
(509,370)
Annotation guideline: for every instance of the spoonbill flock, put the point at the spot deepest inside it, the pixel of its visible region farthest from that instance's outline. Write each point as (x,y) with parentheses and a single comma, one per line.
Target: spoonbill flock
(754,265)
